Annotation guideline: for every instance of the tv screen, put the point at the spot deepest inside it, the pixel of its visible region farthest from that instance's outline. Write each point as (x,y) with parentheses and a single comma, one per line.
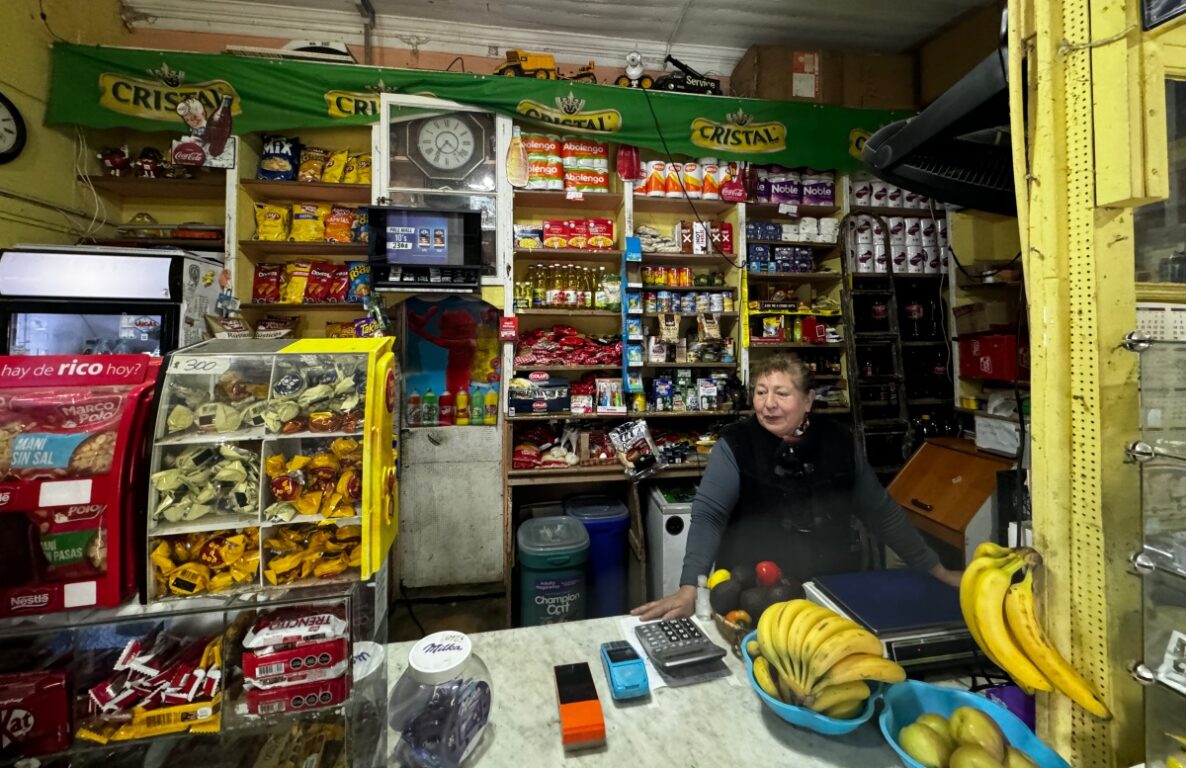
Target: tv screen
(406,237)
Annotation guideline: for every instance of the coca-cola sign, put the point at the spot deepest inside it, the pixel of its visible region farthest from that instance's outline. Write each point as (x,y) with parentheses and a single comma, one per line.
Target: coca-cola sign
(189,153)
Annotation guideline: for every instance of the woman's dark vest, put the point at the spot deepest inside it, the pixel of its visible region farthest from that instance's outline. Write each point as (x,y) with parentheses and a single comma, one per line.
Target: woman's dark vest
(797,510)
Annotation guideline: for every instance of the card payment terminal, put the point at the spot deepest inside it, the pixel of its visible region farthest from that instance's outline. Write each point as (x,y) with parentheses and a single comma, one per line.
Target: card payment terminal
(625,670)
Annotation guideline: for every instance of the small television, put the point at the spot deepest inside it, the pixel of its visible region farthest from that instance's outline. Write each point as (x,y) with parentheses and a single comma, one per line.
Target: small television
(421,250)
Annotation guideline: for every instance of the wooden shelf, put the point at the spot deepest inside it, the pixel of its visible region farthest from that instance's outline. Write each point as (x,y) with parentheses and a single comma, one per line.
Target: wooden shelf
(567,313)
(185,243)
(831,346)
(756,211)
(262,248)
(687,289)
(914,213)
(689,259)
(592,201)
(566,368)
(795,244)
(608,473)
(558,255)
(209,185)
(637,415)
(879,423)
(303,307)
(689,365)
(312,191)
(929,401)
(689,314)
(917,276)
(938,343)
(644,204)
(793,277)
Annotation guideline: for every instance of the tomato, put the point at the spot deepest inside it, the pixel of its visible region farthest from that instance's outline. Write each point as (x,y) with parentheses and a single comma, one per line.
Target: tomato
(768,573)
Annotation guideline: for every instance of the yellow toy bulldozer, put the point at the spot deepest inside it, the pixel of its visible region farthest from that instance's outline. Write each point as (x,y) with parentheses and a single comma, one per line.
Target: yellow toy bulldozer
(541,66)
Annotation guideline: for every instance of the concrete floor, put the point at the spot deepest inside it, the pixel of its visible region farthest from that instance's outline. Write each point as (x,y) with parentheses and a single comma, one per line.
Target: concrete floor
(468,615)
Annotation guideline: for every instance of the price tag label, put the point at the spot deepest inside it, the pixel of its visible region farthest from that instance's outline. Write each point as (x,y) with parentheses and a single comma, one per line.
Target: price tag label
(789,209)
(200,364)
(508,329)
(574,194)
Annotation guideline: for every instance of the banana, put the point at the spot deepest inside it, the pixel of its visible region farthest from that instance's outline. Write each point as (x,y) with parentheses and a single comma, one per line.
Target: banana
(857,690)
(803,623)
(1023,622)
(854,640)
(862,666)
(764,678)
(989,611)
(991,549)
(845,711)
(822,633)
(767,624)
(968,586)
(794,609)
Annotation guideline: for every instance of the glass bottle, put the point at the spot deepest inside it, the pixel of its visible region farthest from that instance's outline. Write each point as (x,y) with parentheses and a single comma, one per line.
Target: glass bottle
(555,287)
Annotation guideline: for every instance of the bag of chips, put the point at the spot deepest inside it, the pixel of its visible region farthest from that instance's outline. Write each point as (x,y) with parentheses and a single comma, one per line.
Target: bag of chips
(321,275)
(308,222)
(271,222)
(265,288)
(339,225)
(367,328)
(228,327)
(360,281)
(362,233)
(278,160)
(339,330)
(339,286)
(334,166)
(358,169)
(276,327)
(313,160)
(296,279)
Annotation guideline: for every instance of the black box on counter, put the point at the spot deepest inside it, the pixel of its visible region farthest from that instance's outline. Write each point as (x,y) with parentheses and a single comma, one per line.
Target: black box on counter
(538,393)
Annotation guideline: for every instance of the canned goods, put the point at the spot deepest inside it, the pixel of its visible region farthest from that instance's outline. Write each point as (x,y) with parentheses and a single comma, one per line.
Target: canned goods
(717,302)
(650,302)
(688,304)
(685,277)
(727,303)
(648,275)
(664,301)
(703,302)
(718,278)
(659,275)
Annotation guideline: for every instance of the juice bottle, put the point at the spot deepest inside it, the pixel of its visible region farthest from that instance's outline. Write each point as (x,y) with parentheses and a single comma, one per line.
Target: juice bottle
(462,408)
(445,406)
(517,162)
(477,408)
(491,402)
(414,414)
(428,409)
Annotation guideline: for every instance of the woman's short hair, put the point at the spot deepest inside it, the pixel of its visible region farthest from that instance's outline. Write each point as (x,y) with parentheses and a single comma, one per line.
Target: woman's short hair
(791,365)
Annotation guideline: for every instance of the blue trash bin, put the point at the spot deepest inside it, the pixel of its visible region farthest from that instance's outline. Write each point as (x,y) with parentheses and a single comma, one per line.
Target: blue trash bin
(607,520)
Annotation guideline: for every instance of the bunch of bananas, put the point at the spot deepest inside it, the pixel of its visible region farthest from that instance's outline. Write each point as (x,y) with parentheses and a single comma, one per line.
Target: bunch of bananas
(812,657)
(1003,622)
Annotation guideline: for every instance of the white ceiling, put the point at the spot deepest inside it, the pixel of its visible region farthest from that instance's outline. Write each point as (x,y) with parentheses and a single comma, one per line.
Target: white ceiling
(703,33)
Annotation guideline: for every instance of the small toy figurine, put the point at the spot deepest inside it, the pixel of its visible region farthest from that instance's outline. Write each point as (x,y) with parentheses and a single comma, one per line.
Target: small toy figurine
(150,164)
(115,160)
(634,76)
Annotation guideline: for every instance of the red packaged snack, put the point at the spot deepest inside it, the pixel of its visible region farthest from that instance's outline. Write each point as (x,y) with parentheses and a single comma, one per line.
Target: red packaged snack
(601,234)
(578,233)
(34,713)
(289,664)
(321,275)
(555,233)
(296,698)
(295,625)
(339,225)
(339,287)
(265,289)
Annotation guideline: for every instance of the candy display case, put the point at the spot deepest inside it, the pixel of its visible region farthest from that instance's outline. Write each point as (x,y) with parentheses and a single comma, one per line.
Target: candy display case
(272,465)
(264,677)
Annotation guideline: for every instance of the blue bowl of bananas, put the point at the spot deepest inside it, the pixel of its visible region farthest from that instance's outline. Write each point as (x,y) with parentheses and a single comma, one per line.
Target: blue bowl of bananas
(804,716)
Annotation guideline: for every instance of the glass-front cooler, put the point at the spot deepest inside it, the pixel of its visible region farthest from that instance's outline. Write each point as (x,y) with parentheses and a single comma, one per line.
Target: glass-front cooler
(272,466)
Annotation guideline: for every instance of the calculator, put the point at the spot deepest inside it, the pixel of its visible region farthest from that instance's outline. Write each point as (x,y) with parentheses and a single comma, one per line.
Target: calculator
(676,643)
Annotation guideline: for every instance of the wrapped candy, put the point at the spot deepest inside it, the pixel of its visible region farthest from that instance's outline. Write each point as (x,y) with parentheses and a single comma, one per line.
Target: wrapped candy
(311,551)
(285,488)
(196,563)
(179,419)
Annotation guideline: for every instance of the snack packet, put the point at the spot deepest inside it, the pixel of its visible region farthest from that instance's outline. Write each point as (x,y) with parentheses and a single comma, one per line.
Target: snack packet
(362,232)
(276,327)
(358,169)
(297,279)
(332,173)
(271,222)
(339,286)
(360,281)
(308,222)
(320,276)
(336,330)
(228,327)
(313,160)
(265,288)
(636,449)
(339,225)
(278,160)
(367,327)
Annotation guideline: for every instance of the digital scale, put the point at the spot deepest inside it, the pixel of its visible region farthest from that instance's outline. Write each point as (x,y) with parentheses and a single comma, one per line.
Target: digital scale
(915,616)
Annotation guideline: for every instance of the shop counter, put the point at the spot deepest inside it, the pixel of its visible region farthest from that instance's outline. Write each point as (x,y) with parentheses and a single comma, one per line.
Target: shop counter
(716,723)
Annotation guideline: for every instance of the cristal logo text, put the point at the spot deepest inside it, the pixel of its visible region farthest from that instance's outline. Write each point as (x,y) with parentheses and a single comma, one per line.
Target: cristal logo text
(601,121)
(153,100)
(756,138)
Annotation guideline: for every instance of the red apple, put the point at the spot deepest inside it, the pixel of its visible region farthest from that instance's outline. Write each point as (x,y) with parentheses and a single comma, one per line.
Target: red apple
(768,573)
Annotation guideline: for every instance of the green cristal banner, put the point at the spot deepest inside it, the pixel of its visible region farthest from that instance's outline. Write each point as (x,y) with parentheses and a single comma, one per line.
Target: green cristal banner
(103,87)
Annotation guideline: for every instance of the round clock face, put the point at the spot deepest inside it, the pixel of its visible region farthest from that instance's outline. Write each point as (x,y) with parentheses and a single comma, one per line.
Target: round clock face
(12,131)
(446,142)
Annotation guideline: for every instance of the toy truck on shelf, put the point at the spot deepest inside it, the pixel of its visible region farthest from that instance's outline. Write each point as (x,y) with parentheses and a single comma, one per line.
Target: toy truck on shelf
(541,66)
(687,80)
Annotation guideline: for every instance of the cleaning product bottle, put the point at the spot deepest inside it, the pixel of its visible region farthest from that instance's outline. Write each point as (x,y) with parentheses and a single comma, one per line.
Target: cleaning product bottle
(462,408)
(703,606)
(428,409)
(490,418)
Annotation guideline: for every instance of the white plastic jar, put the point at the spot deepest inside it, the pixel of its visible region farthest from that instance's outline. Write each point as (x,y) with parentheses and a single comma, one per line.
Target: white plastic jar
(441,703)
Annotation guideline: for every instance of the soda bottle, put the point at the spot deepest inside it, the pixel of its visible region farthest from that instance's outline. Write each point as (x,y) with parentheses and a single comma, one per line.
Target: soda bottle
(414,414)
(878,315)
(477,408)
(491,401)
(934,326)
(914,316)
(539,287)
(462,408)
(428,409)
(941,384)
(218,128)
(445,406)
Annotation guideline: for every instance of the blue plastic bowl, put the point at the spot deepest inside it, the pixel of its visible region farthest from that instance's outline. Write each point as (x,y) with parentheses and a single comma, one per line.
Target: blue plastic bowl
(904,702)
(802,716)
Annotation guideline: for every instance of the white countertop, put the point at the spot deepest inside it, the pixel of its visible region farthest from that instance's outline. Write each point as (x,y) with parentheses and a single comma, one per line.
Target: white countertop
(708,725)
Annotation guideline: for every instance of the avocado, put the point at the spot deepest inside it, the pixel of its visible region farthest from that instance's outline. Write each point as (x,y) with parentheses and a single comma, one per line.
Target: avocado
(724,596)
(744,575)
(755,600)
(780,593)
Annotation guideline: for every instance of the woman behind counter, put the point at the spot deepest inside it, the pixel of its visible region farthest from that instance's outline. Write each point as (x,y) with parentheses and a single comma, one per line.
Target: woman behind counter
(784,486)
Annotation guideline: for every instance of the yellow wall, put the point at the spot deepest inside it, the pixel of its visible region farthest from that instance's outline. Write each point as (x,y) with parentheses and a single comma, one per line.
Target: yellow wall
(45,170)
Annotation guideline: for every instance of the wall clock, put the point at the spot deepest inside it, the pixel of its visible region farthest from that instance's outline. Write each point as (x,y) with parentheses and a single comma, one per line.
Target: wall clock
(447,147)
(12,131)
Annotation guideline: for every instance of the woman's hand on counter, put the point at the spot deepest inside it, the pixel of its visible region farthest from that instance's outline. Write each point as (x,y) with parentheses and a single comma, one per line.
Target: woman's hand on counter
(677,605)
(950,578)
